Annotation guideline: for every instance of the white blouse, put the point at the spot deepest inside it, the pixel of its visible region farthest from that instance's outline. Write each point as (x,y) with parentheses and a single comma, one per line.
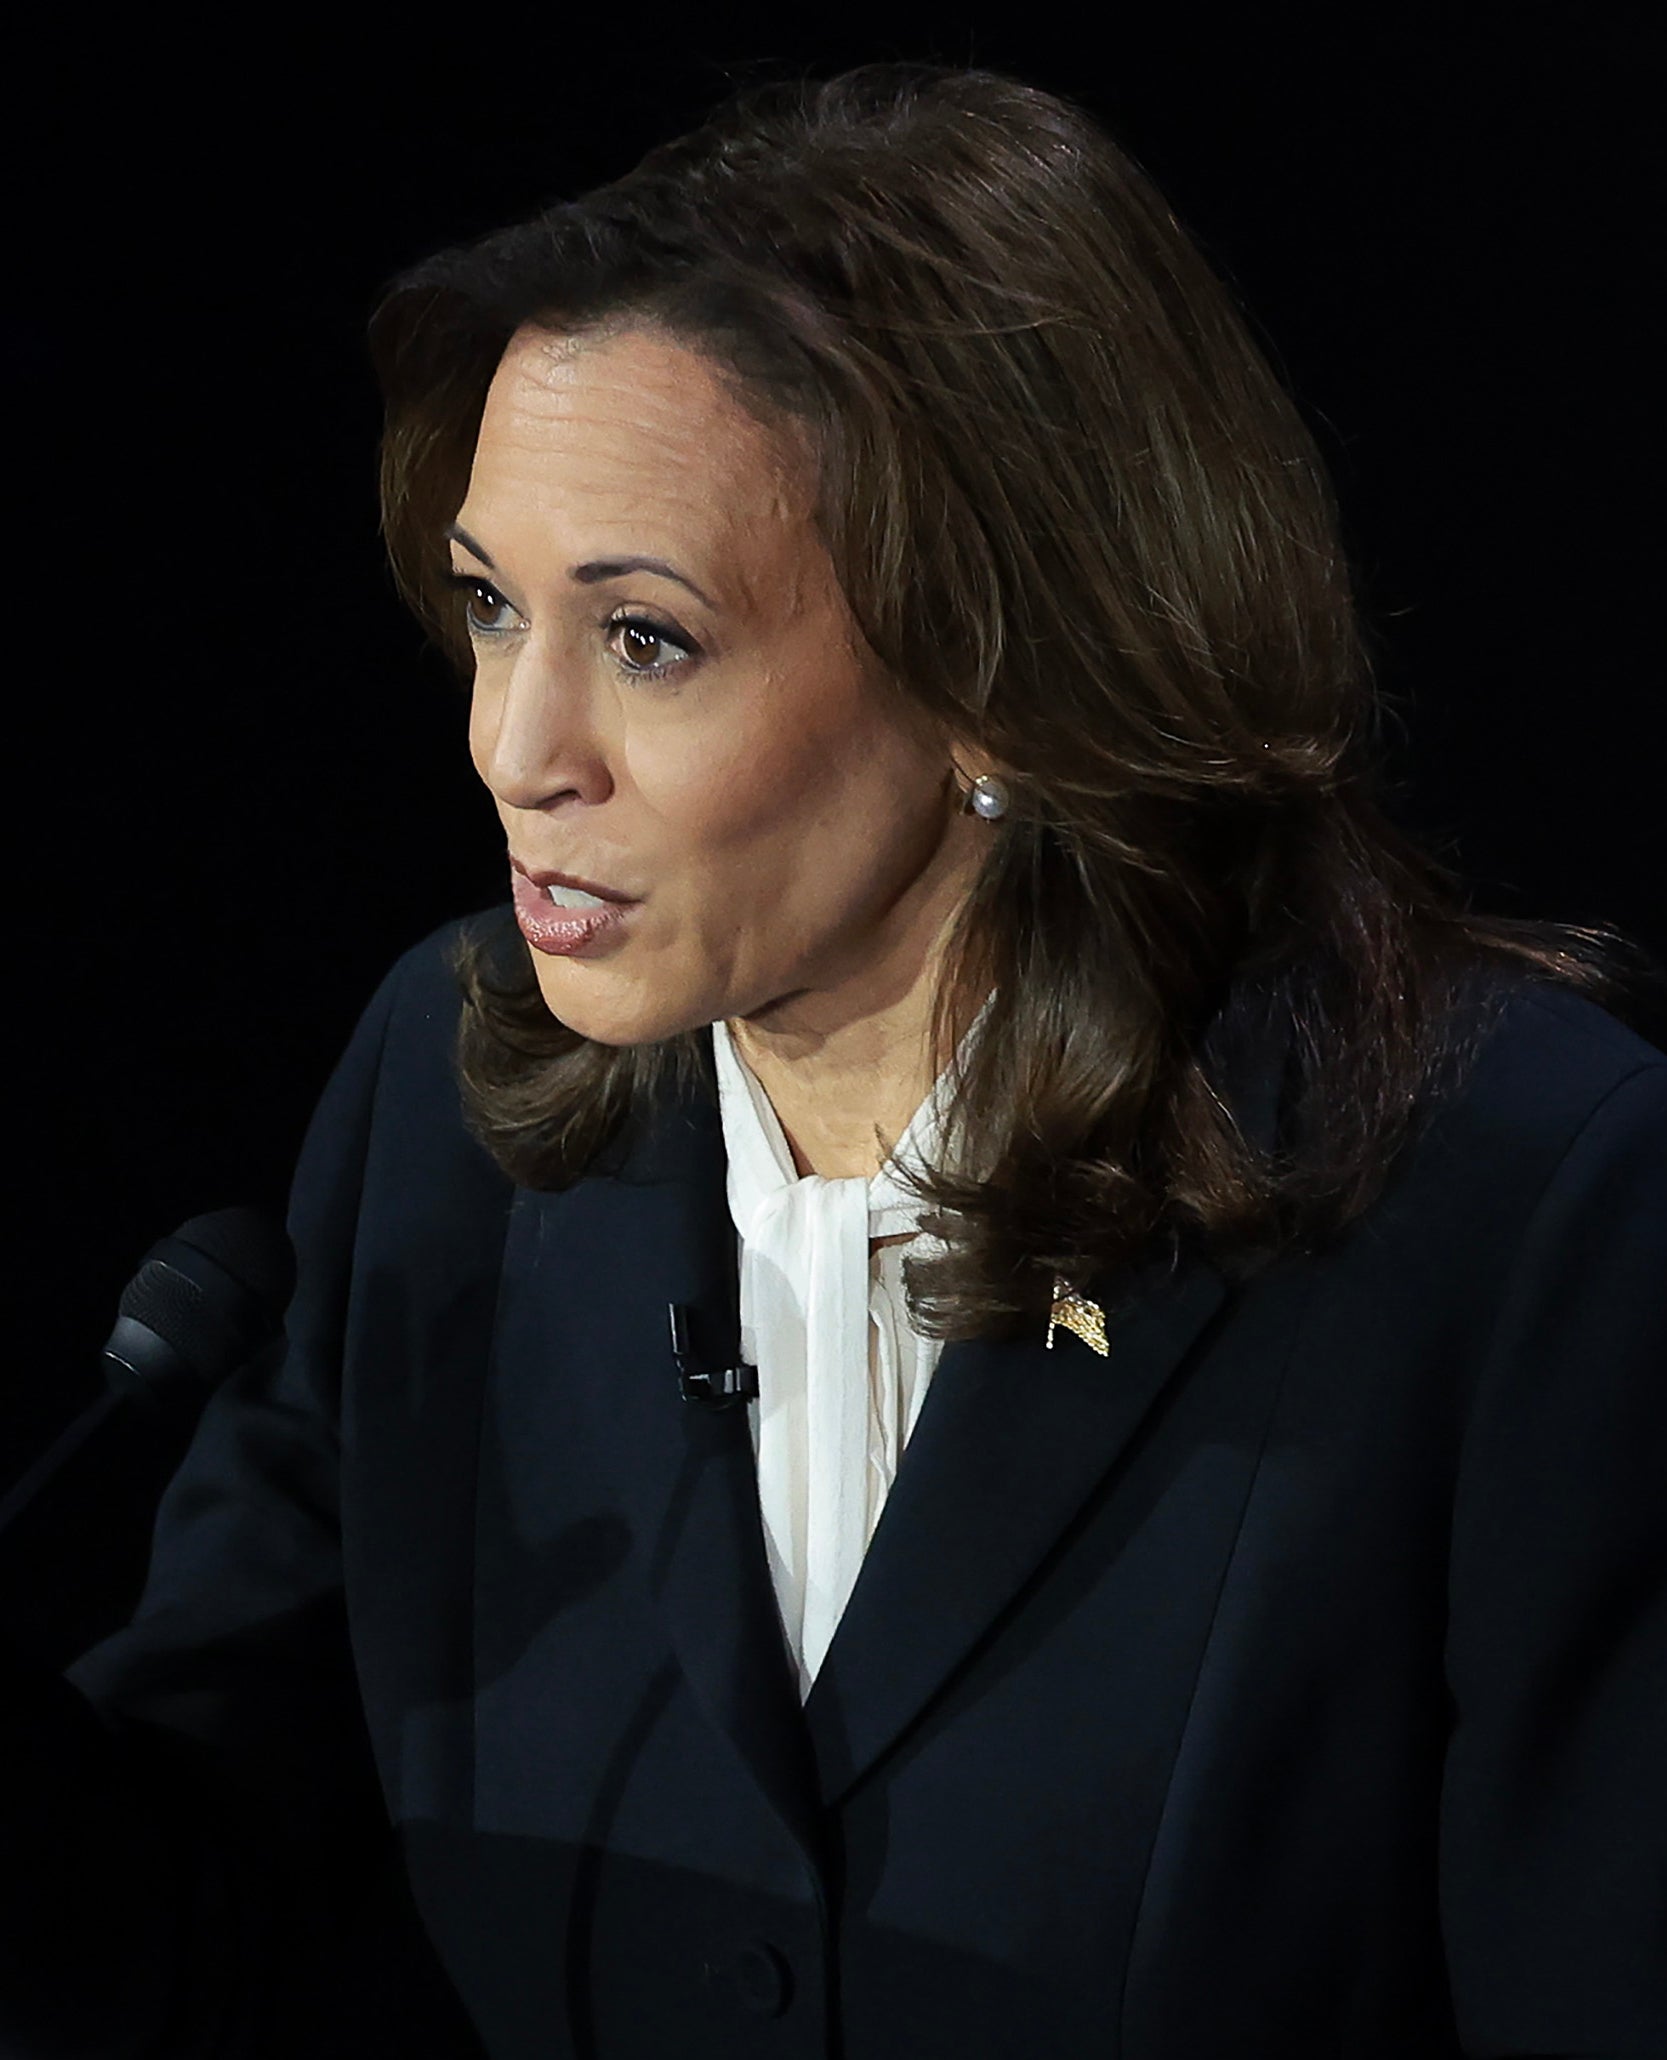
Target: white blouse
(841,1373)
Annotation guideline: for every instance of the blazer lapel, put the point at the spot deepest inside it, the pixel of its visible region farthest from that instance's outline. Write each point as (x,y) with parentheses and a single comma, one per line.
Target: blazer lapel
(596,1267)
(1012,1439)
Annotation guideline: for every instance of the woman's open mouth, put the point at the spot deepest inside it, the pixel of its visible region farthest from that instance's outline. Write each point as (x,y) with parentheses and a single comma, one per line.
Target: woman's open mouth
(565,926)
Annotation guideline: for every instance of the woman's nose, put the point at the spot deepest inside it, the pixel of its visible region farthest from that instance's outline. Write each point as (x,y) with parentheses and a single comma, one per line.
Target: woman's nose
(531,734)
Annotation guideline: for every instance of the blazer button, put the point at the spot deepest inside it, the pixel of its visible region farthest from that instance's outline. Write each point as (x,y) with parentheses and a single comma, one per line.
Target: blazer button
(764,1979)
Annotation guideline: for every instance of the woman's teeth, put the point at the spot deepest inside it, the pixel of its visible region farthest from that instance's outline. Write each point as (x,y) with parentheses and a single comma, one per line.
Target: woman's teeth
(574,897)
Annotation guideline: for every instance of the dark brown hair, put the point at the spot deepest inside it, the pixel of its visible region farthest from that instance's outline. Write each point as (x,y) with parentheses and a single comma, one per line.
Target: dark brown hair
(1079,520)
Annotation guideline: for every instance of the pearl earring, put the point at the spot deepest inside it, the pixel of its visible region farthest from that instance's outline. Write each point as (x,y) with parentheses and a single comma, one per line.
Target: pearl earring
(989,797)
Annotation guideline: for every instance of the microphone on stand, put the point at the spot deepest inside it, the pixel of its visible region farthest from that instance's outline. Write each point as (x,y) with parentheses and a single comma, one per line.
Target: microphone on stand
(203,1301)
(75,1529)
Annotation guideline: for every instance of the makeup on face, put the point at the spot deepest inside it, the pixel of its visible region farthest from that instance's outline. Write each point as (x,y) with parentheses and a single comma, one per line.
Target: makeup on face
(711,802)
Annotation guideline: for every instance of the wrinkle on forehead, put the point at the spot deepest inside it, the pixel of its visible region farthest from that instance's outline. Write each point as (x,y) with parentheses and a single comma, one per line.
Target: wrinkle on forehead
(658,433)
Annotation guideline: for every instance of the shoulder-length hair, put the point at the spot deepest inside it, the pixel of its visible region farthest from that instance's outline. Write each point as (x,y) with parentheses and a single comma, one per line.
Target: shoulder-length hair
(1079,520)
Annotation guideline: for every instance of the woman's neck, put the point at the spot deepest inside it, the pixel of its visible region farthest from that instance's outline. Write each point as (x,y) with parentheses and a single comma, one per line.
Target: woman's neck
(830,1093)
(835,1063)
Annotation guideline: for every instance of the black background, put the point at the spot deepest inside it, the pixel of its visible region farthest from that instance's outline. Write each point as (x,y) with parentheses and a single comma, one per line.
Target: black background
(242,786)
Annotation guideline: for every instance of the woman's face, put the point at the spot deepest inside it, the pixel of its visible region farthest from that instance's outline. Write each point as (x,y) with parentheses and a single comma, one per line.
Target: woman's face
(725,753)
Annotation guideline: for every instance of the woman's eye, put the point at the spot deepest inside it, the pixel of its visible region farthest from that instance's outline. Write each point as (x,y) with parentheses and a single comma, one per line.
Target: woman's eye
(629,637)
(469,586)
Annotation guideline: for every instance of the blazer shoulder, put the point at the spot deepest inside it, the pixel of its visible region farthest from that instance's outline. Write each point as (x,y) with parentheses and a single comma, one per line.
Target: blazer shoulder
(1586,1034)
(420,990)
(1547,1039)
(396,1087)
(1540,1061)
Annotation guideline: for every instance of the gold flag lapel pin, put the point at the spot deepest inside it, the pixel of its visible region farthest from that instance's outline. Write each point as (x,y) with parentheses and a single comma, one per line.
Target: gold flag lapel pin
(1076,1313)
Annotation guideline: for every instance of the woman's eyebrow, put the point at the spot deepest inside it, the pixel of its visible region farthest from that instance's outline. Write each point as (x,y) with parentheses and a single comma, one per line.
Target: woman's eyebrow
(594,569)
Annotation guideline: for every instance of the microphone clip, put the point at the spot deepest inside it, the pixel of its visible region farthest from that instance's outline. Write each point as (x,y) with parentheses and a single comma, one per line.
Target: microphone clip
(713,1386)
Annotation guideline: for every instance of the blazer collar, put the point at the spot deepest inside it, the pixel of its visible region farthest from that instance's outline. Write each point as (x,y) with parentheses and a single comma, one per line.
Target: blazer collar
(1011,1441)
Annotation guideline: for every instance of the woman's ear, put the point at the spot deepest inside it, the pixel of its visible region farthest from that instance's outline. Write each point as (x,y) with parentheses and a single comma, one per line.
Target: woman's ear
(980,789)
(969,764)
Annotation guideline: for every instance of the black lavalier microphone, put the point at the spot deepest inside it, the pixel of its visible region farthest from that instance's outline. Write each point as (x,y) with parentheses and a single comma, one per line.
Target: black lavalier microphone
(717,1380)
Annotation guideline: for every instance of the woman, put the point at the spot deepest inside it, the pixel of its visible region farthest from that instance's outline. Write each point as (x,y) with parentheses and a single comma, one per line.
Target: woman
(993,1388)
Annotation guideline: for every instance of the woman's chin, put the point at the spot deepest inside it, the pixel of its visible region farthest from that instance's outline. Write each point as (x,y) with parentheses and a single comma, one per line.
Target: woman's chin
(604,1010)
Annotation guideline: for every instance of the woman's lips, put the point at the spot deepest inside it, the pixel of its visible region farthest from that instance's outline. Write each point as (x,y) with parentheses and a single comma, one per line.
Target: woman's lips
(562,931)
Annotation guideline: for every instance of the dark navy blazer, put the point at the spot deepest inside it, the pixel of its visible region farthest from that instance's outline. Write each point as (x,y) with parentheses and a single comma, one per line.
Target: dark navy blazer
(1288,1682)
